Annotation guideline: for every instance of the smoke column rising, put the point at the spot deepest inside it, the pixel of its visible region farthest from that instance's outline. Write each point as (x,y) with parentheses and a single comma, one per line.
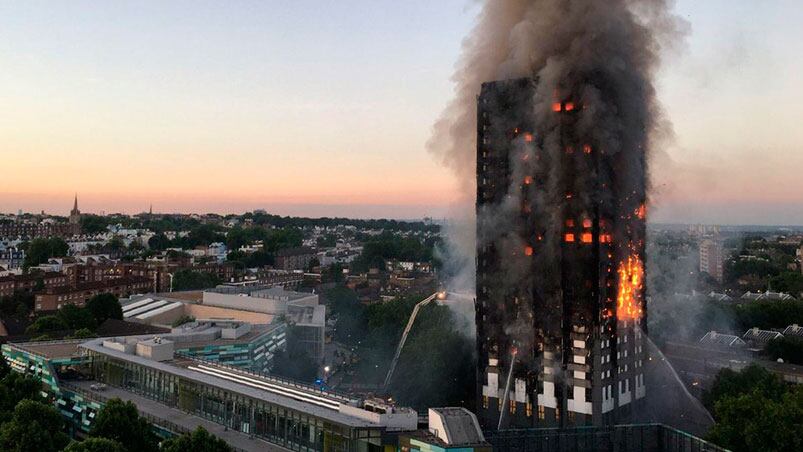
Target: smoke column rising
(588,48)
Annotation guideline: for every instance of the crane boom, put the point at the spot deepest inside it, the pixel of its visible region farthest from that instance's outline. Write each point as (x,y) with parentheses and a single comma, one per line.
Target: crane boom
(407,329)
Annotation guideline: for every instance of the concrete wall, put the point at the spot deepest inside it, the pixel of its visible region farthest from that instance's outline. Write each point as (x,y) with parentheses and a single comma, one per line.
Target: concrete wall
(212,312)
(263,305)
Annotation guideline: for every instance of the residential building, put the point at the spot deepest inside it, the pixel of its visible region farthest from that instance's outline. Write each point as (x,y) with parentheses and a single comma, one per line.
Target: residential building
(793,331)
(297,258)
(714,339)
(53,298)
(758,339)
(712,258)
(766,296)
(12,258)
(31,282)
(559,284)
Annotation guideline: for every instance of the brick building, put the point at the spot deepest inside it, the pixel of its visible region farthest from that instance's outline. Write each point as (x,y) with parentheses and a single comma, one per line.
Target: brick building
(53,298)
(28,283)
(297,258)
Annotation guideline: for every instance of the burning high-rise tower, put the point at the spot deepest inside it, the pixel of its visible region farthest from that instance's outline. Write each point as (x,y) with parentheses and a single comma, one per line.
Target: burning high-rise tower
(560,241)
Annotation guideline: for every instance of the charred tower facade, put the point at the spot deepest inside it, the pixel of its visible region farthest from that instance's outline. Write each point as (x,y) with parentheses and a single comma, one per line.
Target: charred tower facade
(559,285)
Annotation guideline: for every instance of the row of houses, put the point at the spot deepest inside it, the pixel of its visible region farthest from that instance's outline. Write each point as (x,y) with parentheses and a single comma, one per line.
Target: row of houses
(754,338)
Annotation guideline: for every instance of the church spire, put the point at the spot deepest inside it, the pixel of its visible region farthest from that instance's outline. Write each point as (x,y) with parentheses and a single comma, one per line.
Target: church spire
(75,204)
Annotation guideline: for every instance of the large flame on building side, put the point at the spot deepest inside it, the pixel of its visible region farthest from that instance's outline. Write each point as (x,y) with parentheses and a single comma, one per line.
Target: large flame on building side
(631,283)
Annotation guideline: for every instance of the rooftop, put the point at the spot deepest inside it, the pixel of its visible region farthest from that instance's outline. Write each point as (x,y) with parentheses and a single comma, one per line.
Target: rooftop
(757,335)
(104,284)
(793,330)
(302,398)
(51,349)
(720,339)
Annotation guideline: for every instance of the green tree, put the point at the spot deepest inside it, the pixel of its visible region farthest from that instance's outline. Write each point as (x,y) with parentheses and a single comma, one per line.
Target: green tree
(282,238)
(159,242)
(34,427)
(788,282)
(191,280)
(84,333)
(199,440)
(788,348)
(182,320)
(120,421)
(349,314)
(47,323)
(95,445)
(4,367)
(15,387)
(77,318)
(435,363)
(93,224)
(105,306)
(40,250)
(729,383)
(16,304)
(295,362)
(752,421)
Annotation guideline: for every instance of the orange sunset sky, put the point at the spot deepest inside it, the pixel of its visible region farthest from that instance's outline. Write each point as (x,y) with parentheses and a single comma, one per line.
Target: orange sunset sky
(307,108)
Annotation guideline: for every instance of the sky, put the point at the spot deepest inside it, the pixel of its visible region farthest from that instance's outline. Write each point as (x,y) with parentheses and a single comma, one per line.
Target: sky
(316,107)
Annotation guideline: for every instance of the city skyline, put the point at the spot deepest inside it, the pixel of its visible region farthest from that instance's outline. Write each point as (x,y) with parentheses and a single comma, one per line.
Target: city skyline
(210,109)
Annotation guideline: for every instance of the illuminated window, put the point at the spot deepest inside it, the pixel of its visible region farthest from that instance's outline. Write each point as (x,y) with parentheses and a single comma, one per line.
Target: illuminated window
(540,412)
(557,414)
(569,106)
(605,238)
(528,251)
(569,223)
(528,180)
(586,149)
(512,407)
(587,223)
(485,402)
(499,404)
(556,106)
(528,137)
(529,409)
(569,149)
(569,237)
(586,237)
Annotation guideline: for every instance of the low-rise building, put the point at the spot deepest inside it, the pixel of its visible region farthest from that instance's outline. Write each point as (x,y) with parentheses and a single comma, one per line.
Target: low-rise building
(793,331)
(297,258)
(714,339)
(248,410)
(758,339)
(31,282)
(54,298)
(766,296)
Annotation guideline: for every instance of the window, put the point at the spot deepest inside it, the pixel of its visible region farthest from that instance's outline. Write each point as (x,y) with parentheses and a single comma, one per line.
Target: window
(540,412)
(485,402)
(529,409)
(512,407)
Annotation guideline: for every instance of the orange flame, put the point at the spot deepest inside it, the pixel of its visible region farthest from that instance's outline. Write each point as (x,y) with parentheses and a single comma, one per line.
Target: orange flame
(641,212)
(631,283)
